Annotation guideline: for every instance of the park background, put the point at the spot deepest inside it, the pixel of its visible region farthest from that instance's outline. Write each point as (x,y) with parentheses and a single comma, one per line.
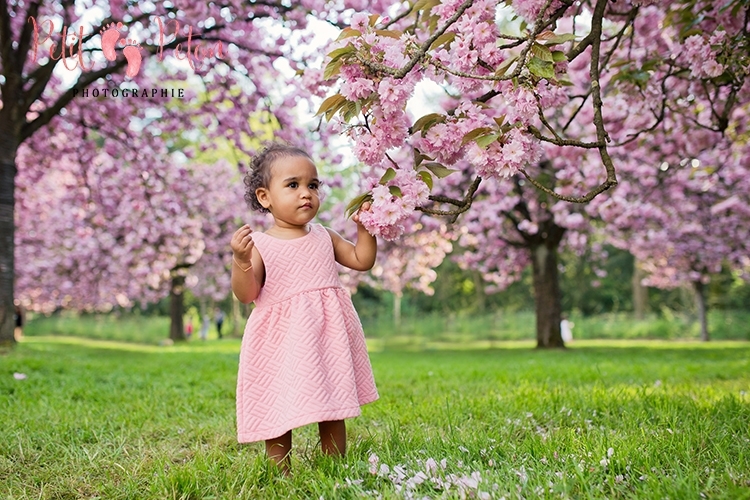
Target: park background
(116,212)
(459,311)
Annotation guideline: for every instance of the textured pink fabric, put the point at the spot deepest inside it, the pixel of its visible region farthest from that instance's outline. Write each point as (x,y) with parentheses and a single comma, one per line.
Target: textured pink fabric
(304,357)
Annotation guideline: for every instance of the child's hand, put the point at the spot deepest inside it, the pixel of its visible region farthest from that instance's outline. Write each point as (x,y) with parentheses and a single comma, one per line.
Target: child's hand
(365,207)
(242,245)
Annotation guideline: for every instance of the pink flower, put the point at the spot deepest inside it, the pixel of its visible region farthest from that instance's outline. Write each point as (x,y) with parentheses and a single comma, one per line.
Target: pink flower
(368,149)
(360,22)
(523,105)
(394,94)
(712,69)
(393,53)
(381,195)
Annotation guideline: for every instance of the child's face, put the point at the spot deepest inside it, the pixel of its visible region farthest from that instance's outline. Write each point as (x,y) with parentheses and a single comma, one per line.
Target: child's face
(292,194)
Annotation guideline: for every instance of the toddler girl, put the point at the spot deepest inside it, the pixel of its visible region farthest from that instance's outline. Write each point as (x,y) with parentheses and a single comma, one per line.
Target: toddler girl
(303,356)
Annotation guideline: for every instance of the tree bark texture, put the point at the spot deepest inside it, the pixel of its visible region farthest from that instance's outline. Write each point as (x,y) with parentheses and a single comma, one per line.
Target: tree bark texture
(700,303)
(640,292)
(547,294)
(177,308)
(8,148)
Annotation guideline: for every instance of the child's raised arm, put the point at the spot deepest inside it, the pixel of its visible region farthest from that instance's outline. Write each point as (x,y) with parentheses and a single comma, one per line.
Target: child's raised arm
(247,266)
(360,257)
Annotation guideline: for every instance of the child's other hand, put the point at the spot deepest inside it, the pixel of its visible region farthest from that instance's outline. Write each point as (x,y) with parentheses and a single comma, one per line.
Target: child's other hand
(242,244)
(365,207)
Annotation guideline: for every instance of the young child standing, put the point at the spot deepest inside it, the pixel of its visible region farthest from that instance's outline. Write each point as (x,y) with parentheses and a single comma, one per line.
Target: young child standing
(303,356)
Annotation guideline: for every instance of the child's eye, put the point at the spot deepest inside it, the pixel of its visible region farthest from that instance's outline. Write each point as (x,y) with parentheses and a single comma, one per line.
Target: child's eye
(314,185)
(292,184)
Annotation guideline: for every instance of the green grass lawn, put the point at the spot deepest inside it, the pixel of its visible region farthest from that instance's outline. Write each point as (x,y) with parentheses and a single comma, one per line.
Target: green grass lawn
(603,419)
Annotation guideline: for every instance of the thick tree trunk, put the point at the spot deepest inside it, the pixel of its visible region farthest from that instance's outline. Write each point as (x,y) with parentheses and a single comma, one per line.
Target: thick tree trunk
(640,292)
(8,148)
(547,294)
(700,303)
(177,308)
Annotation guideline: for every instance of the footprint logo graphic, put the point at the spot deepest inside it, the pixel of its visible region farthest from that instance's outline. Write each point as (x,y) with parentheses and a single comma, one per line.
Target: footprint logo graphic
(110,35)
(132,52)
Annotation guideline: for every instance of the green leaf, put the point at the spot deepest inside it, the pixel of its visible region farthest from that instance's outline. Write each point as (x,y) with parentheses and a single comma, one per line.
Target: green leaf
(426,177)
(444,39)
(418,157)
(335,54)
(559,56)
(486,140)
(332,68)
(473,134)
(351,109)
(387,176)
(439,170)
(542,52)
(426,5)
(542,69)
(395,191)
(503,68)
(432,22)
(357,202)
(330,102)
(335,109)
(427,121)
(389,33)
(348,32)
(557,39)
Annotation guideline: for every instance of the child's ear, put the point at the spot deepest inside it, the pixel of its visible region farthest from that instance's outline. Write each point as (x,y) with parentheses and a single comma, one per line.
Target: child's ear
(262,194)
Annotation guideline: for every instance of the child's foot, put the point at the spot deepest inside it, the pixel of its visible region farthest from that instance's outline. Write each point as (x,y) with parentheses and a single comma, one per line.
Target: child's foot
(110,35)
(133,56)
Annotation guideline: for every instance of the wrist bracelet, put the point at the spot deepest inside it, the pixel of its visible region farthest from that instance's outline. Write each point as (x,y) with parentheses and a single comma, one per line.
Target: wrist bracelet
(238,265)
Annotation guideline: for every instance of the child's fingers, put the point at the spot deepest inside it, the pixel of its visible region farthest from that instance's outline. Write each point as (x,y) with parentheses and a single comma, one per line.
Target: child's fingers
(241,239)
(365,207)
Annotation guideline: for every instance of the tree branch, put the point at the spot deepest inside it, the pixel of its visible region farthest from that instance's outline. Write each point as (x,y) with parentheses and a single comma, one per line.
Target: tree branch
(461,205)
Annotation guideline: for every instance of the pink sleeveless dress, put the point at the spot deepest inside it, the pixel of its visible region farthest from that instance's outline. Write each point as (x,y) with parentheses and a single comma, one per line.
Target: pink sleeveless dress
(303,357)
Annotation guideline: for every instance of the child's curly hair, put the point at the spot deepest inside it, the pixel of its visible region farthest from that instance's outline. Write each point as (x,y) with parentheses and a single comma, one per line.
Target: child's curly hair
(259,174)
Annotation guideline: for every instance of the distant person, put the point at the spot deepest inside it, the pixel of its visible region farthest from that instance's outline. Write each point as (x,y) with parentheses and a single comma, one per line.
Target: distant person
(566,329)
(204,326)
(303,357)
(18,317)
(189,328)
(219,318)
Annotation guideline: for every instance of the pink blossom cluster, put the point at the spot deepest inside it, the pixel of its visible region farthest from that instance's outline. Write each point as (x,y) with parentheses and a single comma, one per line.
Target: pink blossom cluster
(701,58)
(517,151)
(531,10)
(388,211)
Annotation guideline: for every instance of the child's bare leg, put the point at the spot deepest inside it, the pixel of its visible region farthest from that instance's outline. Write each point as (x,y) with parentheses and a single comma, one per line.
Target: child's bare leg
(333,437)
(279,451)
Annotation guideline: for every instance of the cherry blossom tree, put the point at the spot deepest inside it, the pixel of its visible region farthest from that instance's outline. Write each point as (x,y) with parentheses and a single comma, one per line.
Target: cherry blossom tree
(545,102)
(95,231)
(687,217)
(136,57)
